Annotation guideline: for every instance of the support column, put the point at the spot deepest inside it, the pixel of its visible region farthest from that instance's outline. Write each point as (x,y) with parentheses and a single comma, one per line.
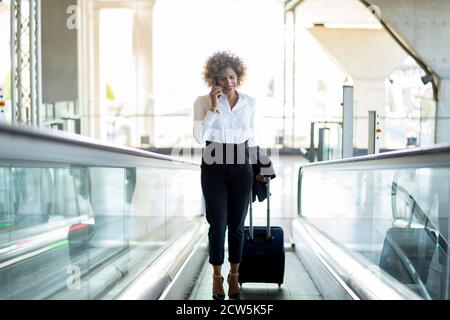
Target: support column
(289,77)
(25,62)
(143,46)
(347,122)
(369,95)
(443,112)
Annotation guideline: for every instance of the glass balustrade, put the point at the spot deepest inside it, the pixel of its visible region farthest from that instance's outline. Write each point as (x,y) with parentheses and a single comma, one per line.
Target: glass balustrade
(393,210)
(80,231)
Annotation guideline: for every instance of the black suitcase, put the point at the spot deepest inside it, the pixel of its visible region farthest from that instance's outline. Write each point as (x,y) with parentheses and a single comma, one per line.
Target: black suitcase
(263,252)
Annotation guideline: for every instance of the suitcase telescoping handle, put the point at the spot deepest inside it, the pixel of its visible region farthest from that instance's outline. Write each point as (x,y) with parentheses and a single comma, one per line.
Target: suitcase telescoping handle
(268,233)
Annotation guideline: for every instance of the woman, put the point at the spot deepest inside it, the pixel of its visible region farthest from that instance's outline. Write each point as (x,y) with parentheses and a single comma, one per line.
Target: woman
(224,123)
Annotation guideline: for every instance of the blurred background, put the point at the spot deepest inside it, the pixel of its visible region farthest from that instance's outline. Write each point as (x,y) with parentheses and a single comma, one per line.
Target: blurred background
(128,72)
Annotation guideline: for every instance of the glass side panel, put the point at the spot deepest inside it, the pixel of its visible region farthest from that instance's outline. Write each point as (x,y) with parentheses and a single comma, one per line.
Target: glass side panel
(74,232)
(396,218)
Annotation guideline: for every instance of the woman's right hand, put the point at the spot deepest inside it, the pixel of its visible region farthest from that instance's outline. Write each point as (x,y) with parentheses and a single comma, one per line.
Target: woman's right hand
(260,178)
(216,91)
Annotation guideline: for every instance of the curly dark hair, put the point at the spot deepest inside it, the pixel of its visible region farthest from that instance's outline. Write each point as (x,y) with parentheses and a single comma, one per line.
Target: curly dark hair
(220,60)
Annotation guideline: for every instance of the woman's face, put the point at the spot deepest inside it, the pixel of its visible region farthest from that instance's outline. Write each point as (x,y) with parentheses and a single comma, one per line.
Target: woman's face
(227,79)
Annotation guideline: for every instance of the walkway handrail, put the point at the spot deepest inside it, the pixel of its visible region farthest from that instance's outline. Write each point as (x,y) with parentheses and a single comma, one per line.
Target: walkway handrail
(434,155)
(25,143)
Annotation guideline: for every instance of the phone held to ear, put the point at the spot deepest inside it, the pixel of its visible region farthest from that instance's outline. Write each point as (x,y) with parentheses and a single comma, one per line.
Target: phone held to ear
(216,85)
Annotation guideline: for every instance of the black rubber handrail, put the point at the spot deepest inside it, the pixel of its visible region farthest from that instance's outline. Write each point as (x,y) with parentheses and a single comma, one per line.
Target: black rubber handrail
(391,155)
(78,140)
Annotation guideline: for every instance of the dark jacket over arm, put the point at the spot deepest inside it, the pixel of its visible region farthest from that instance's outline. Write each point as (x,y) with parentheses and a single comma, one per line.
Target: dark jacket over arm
(262,165)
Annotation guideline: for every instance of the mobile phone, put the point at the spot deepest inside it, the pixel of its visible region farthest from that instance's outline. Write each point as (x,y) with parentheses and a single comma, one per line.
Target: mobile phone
(215,85)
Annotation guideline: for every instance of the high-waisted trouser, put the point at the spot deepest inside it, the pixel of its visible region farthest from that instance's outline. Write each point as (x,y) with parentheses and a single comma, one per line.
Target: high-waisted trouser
(226,189)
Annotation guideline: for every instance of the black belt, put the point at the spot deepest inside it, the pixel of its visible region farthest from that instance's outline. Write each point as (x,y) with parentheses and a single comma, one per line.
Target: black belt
(228,144)
(225,153)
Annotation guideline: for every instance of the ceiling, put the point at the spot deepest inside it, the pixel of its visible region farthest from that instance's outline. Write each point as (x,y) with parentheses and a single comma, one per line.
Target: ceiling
(336,13)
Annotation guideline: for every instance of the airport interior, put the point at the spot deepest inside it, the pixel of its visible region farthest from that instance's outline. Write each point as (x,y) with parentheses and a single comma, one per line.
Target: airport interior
(100,189)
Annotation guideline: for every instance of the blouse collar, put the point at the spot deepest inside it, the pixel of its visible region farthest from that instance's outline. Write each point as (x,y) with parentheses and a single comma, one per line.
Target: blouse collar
(237,107)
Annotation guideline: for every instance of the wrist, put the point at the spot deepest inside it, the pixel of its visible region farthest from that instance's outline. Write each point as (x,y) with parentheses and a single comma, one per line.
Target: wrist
(213,109)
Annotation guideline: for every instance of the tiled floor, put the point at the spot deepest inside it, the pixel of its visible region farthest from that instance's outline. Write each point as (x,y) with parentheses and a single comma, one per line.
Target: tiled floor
(297,284)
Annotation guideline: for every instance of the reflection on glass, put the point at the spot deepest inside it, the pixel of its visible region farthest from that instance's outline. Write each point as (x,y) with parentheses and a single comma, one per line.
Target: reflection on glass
(74,232)
(398,219)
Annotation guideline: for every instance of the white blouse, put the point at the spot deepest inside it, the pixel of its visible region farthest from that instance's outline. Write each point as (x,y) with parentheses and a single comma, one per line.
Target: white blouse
(235,125)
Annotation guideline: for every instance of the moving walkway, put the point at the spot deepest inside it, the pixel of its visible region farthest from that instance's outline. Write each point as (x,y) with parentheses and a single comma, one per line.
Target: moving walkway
(80,219)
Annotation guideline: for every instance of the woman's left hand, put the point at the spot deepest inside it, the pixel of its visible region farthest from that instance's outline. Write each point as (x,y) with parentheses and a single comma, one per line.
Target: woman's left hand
(261,178)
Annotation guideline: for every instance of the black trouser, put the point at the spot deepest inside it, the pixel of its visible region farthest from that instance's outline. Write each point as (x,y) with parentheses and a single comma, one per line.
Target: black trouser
(226,189)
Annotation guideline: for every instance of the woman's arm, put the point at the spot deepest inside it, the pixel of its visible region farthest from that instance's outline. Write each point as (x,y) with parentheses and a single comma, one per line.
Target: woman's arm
(203,121)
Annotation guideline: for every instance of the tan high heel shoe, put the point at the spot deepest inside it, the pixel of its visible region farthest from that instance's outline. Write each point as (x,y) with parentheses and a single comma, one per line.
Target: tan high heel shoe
(218,292)
(234,291)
